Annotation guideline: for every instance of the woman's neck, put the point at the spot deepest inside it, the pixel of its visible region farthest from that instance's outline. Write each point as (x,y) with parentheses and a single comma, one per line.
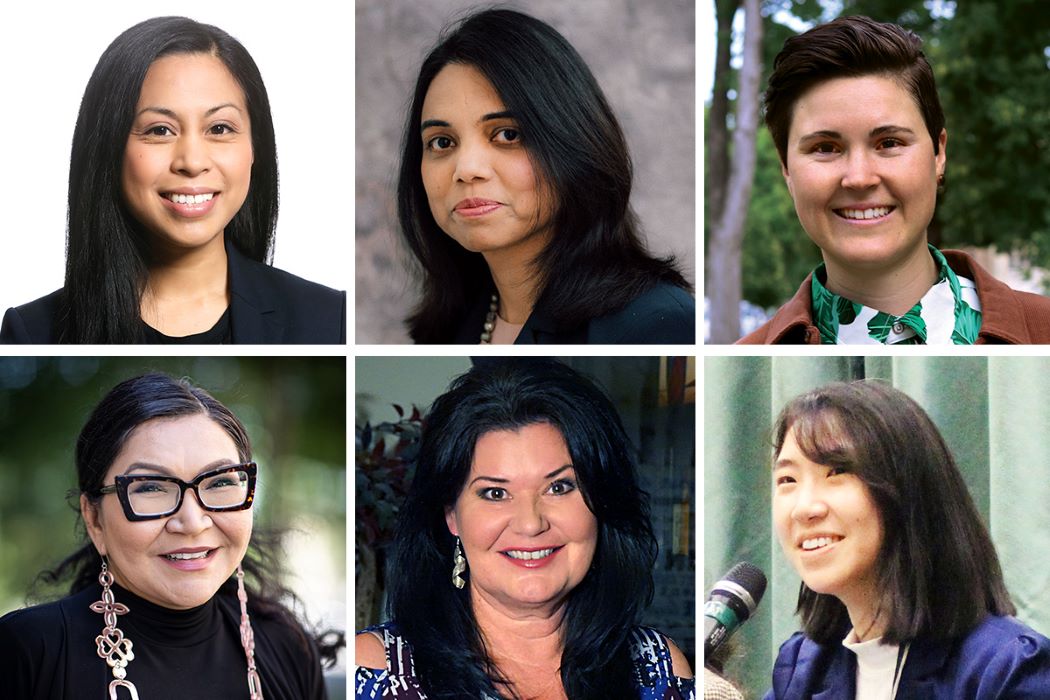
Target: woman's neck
(187,292)
(893,291)
(514,273)
(525,644)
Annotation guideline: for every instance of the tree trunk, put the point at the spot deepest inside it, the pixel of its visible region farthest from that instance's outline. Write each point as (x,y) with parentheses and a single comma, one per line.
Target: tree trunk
(716,131)
(724,250)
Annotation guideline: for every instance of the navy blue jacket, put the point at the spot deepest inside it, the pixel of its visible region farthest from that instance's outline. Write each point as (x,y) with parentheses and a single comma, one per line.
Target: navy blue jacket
(267,307)
(665,314)
(1000,659)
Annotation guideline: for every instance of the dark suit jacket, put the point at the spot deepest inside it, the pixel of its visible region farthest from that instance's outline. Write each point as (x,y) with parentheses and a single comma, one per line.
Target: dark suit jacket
(665,314)
(1001,658)
(267,306)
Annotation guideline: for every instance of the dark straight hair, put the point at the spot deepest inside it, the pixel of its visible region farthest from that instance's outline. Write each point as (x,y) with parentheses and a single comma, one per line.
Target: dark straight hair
(937,570)
(107,250)
(596,261)
(157,396)
(849,47)
(436,618)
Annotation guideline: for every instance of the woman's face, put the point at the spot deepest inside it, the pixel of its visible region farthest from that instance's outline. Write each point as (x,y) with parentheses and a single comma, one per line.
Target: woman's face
(140,553)
(528,536)
(863,174)
(188,159)
(482,188)
(828,526)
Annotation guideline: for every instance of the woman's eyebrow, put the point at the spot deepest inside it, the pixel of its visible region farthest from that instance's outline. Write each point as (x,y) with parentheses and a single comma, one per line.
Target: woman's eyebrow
(505,114)
(891,128)
(499,480)
(428,123)
(136,466)
(171,113)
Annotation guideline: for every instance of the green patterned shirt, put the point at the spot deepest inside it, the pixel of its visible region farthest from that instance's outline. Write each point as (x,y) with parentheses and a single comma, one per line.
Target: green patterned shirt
(950,313)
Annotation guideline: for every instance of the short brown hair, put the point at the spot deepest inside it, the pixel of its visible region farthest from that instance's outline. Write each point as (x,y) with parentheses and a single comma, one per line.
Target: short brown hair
(849,47)
(937,569)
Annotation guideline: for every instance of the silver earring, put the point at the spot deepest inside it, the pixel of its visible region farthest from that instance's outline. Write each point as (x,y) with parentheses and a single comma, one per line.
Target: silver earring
(460,566)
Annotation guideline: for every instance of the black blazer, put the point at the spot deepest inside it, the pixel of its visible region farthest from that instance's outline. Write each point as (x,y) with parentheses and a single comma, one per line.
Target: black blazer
(267,307)
(665,314)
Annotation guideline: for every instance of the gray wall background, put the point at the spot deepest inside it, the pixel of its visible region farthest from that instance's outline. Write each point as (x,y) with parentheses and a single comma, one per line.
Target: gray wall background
(642,54)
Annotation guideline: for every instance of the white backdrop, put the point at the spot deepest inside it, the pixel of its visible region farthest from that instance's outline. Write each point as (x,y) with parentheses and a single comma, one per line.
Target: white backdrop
(304,53)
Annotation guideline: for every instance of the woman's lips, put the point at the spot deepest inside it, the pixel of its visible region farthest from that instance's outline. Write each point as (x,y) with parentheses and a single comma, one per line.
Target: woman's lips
(189,559)
(475,207)
(865,214)
(190,206)
(531,558)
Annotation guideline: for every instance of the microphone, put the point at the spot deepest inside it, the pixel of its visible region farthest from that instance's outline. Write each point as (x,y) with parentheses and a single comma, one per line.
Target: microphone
(731,602)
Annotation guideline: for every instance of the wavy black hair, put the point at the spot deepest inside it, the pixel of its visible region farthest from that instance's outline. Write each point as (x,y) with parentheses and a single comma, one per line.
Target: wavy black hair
(595,262)
(937,570)
(436,618)
(157,396)
(107,250)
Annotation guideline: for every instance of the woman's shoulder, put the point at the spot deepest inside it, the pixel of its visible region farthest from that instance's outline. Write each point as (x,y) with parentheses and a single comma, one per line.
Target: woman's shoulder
(659,664)
(664,313)
(32,322)
(1007,639)
(383,660)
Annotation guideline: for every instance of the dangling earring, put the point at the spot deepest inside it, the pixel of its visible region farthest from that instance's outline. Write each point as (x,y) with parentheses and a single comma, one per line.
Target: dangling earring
(460,566)
(248,639)
(112,645)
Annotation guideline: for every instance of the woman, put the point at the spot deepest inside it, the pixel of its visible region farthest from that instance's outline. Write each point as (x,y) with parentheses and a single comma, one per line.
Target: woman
(158,603)
(513,198)
(902,594)
(523,554)
(853,111)
(173,205)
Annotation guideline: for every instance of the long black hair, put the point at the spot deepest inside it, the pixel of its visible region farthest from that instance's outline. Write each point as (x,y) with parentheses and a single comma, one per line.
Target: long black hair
(436,618)
(127,406)
(107,250)
(595,262)
(937,570)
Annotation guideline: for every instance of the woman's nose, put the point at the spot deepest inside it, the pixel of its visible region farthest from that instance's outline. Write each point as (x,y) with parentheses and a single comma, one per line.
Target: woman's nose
(861,171)
(809,504)
(190,518)
(191,157)
(529,518)
(472,162)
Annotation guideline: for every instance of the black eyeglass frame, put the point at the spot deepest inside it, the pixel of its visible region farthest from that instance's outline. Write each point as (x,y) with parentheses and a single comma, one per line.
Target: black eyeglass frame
(123,481)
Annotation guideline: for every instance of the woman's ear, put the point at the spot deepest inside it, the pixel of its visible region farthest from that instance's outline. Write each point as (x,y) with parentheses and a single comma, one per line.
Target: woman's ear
(93,522)
(450,520)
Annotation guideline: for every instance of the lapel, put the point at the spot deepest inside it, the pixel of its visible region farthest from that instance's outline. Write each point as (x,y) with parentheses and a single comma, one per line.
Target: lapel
(925,661)
(254,314)
(541,328)
(839,681)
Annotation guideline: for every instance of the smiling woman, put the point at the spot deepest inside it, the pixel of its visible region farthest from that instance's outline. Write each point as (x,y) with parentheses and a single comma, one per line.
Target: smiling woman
(173,205)
(524,552)
(853,110)
(902,594)
(172,577)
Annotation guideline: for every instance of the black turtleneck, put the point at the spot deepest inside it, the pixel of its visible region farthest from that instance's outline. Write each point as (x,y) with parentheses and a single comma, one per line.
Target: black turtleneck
(49,652)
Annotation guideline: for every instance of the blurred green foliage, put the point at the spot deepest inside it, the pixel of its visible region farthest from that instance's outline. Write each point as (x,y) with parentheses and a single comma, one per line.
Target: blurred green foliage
(294,409)
(991,59)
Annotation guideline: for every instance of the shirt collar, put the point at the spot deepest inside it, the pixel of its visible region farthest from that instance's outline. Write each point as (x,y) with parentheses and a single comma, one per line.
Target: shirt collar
(949,313)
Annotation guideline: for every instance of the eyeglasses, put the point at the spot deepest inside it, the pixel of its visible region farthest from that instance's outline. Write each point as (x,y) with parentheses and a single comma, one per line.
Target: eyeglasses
(148,496)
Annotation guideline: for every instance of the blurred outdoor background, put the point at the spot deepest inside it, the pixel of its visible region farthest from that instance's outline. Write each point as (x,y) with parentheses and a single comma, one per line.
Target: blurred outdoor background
(643,56)
(991,59)
(294,410)
(656,401)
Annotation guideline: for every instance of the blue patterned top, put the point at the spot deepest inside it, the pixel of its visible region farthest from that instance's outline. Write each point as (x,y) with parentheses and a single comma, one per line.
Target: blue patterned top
(651,655)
